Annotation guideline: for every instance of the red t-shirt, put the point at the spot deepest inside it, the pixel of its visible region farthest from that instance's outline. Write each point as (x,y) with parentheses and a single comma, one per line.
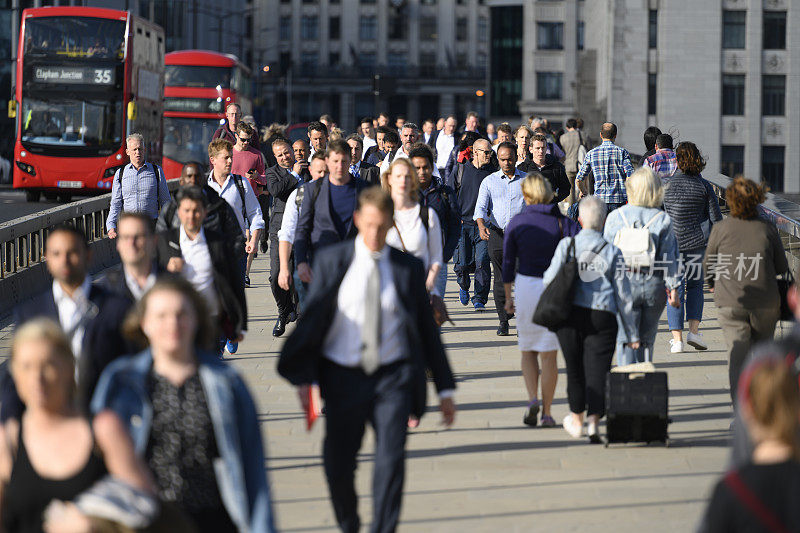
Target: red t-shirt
(246,160)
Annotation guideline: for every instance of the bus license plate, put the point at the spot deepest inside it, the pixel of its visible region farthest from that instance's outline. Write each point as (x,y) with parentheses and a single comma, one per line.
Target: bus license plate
(70,184)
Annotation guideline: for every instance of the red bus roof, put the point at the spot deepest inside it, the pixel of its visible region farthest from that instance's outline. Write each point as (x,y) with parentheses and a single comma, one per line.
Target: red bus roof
(201,57)
(75,11)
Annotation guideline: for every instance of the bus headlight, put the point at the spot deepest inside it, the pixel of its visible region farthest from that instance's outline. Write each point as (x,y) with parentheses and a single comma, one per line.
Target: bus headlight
(111,171)
(26,168)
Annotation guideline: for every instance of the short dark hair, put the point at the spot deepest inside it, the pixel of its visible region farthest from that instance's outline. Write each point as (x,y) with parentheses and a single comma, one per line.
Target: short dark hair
(608,130)
(508,145)
(244,127)
(355,137)
(317,126)
(197,166)
(190,192)
(472,114)
(505,127)
(689,158)
(338,146)
(389,133)
(421,150)
(429,120)
(539,137)
(383,114)
(400,117)
(146,221)
(376,197)
(664,141)
(317,155)
(572,123)
(366,120)
(71,230)
(650,136)
(326,117)
(579,122)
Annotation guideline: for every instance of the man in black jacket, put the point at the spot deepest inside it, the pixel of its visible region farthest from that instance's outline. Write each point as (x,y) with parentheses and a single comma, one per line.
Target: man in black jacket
(282,179)
(206,259)
(550,167)
(90,315)
(367,337)
(358,168)
(473,252)
(136,245)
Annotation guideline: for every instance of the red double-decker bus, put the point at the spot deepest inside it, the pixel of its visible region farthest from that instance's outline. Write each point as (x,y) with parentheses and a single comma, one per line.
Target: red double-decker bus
(199,84)
(86,77)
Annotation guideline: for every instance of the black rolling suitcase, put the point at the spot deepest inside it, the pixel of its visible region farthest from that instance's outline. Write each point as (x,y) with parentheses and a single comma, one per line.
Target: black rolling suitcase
(637,407)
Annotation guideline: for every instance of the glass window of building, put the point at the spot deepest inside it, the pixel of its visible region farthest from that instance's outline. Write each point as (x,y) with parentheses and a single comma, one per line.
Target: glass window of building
(652,88)
(333,58)
(427,29)
(772,166)
(396,61)
(368,28)
(367,59)
(398,25)
(652,29)
(550,35)
(309,28)
(773,95)
(548,85)
(733,94)
(483,29)
(732,160)
(581,32)
(774,30)
(505,77)
(461,29)
(285,28)
(308,60)
(733,29)
(333,28)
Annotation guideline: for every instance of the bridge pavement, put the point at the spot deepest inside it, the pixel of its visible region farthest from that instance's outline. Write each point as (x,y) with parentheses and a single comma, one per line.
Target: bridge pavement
(490,472)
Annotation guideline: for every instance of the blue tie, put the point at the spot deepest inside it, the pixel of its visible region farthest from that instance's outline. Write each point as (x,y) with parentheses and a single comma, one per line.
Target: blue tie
(355,171)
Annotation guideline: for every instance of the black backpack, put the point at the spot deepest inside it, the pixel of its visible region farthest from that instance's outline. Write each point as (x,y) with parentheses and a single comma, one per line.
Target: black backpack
(156,171)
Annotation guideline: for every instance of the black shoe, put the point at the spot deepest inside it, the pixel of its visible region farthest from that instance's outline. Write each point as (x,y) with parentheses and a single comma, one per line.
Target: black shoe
(502,329)
(510,316)
(531,415)
(280,327)
(264,246)
(247,281)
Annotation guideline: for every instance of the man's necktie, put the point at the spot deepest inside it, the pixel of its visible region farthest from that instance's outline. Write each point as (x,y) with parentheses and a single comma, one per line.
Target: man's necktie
(355,171)
(371,331)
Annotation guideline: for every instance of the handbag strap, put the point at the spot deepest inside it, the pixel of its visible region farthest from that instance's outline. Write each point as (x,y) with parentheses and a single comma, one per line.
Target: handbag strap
(753,503)
(399,235)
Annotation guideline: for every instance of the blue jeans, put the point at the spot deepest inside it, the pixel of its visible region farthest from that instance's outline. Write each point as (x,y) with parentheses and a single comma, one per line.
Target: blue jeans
(441,280)
(649,298)
(472,255)
(301,289)
(690,291)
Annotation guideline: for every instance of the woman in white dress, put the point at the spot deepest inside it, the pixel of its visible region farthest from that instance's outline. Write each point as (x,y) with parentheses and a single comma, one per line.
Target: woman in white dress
(529,243)
(414,231)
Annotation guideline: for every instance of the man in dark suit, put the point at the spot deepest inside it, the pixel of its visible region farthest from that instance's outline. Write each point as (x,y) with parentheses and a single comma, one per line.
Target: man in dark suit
(326,215)
(90,315)
(282,179)
(206,259)
(136,245)
(429,133)
(367,338)
(358,168)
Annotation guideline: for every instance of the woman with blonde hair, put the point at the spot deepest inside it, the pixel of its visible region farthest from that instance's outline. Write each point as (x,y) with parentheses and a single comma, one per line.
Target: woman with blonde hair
(415,230)
(761,495)
(530,241)
(644,234)
(743,258)
(53,453)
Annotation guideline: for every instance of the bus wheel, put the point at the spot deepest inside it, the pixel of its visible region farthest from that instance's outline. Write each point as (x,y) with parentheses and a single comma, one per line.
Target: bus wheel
(32,196)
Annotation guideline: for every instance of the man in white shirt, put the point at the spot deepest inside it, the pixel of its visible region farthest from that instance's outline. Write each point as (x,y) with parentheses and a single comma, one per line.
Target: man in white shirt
(445,142)
(367,134)
(240,196)
(355,341)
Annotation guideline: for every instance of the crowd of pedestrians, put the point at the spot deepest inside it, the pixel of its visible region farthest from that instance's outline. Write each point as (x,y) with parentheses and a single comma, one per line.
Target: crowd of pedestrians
(360,229)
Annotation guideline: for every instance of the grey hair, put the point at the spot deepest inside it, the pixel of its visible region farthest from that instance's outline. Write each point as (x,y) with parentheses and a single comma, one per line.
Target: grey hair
(537,119)
(411,125)
(137,136)
(592,211)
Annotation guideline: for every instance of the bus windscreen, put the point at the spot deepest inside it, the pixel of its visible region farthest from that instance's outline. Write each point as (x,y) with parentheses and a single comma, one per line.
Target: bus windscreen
(93,125)
(75,37)
(197,76)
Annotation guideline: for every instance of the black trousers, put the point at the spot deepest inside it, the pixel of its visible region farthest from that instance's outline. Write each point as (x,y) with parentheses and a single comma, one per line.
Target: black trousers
(352,399)
(283,298)
(588,344)
(496,256)
(265,202)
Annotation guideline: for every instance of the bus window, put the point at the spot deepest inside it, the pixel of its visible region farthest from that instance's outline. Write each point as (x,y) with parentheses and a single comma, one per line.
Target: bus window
(75,37)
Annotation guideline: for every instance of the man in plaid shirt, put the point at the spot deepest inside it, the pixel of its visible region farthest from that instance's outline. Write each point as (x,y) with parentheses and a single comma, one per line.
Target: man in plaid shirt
(611,166)
(663,162)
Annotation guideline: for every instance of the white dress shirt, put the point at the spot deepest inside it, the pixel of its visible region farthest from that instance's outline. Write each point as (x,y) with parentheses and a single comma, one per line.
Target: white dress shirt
(289,221)
(73,313)
(197,267)
(230,193)
(444,145)
(400,155)
(424,245)
(369,142)
(134,287)
(342,344)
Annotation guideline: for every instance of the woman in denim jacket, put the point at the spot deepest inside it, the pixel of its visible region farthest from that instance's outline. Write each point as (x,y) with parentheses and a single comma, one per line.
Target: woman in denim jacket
(190,415)
(645,196)
(588,339)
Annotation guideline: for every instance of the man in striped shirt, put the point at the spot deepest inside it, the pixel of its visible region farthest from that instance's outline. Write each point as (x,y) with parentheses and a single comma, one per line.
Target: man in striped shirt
(138,187)
(611,166)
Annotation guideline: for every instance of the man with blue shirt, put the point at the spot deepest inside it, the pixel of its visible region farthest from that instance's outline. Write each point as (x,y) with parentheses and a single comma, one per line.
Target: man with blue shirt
(611,166)
(499,199)
(139,187)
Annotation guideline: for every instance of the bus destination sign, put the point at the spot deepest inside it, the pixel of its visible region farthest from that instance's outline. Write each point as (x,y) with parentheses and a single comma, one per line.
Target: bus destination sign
(76,75)
(196,105)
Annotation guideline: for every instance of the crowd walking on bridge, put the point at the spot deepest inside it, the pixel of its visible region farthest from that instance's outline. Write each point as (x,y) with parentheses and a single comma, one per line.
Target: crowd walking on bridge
(119,392)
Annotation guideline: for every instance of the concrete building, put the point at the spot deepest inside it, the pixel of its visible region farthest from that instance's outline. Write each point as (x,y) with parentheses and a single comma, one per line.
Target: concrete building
(430,56)
(723,74)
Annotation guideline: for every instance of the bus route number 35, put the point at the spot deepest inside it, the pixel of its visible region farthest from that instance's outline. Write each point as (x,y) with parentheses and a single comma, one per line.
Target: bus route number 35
(102,76)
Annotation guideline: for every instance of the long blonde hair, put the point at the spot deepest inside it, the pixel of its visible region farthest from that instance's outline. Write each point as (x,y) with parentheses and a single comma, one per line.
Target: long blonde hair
(402,161)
